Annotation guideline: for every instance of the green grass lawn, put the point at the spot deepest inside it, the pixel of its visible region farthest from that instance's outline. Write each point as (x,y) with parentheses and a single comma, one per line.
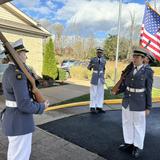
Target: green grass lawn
(85,74)
(86,97)
(107,96)
(155,92)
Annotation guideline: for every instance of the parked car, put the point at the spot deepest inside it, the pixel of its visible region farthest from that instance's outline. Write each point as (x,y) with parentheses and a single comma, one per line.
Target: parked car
(2,69)
(2,66)
(67,64)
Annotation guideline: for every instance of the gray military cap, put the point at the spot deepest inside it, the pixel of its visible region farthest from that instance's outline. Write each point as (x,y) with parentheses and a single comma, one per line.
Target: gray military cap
(151,57)
(99,50)
(139,51)
(19,46)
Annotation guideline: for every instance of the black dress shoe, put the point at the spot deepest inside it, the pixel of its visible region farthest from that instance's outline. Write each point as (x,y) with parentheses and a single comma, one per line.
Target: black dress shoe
(136,152)
(126,147)
(93,110)
(100,110)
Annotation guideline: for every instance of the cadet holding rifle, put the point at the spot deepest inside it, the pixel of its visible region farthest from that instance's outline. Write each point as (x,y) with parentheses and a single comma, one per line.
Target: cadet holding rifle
(17,117)
(136,104)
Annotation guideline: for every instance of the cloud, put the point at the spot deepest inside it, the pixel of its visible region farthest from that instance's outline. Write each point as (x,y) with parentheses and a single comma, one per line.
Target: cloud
(61,1)
(36,7)
(27,3)
(42,10)
(85,17)
(69,9)
(98,15)
(46,24)
(157,4)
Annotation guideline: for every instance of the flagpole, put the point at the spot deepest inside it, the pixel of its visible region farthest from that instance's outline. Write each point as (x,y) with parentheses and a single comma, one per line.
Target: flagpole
(117,49)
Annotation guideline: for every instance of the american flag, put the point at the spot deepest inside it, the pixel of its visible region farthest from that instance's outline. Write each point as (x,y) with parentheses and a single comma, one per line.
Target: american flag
(150,31)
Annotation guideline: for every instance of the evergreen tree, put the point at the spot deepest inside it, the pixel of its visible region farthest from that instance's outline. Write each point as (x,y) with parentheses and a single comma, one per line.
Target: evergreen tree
(49,61)
(110,45)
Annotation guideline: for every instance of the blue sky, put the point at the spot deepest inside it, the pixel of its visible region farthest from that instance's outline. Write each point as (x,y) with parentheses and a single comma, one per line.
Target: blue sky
(84,17)
(136,1)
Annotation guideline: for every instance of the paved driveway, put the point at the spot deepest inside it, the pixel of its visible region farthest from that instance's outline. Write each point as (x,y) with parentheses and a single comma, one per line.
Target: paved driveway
(156,82)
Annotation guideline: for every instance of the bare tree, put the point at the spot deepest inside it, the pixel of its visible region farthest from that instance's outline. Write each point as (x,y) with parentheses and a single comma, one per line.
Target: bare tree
(91,44)
(58,29)
(132,26)
(75,45)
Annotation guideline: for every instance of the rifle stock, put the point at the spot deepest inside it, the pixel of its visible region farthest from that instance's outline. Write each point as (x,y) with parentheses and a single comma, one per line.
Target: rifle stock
(13,55)
(125,72)
(115,89)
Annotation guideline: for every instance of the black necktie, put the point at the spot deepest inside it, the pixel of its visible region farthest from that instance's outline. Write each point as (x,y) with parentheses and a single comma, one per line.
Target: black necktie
(99,60)
(135,70)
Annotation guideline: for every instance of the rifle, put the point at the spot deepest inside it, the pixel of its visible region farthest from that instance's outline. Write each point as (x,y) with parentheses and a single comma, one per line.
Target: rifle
(125,72)
(4,1)
(12,54)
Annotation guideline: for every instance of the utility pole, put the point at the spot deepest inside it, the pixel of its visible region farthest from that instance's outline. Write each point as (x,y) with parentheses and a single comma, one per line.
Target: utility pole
(117,50)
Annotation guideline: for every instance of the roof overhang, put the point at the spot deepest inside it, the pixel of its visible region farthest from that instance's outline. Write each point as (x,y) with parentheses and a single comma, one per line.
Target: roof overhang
(4,1)
(34,27)
(25,18)
(14,26)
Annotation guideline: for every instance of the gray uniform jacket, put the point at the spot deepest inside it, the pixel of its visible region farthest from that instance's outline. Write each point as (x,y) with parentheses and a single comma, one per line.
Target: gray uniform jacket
(98,66)
(142,100)
(19,120)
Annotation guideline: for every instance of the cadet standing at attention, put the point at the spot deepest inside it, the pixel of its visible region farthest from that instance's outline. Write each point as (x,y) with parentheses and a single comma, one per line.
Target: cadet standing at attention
(97,82)
(17,117)
(136,104)
(149,59)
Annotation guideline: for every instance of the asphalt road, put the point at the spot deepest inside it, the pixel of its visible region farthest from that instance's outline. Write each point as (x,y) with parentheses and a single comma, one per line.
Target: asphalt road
(156,82)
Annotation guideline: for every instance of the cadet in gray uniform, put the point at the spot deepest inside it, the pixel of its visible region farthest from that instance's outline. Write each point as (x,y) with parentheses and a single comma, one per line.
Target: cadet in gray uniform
(97,82)
(149,58)
(17,118)
(136,104)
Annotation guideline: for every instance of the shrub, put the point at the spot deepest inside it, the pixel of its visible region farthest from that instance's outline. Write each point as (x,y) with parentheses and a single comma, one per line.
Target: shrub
(61,74)
(49,61)
(156,71)
(81,73)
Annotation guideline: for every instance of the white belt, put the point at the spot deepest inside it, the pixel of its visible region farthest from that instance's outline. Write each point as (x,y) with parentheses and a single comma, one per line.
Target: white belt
(97,71)
(11,104)
(135,90)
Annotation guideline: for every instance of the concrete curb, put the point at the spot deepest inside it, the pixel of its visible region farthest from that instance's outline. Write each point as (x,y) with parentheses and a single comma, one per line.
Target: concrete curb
(86,103)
